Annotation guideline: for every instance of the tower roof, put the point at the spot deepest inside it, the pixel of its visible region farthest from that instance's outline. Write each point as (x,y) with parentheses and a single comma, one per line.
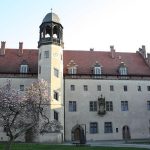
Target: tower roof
(51,17)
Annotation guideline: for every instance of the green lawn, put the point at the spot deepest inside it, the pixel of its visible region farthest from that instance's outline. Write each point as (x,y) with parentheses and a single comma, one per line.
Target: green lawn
(62,147)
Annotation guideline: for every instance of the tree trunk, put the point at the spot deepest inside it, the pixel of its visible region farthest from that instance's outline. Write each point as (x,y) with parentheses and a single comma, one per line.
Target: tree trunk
(9,144)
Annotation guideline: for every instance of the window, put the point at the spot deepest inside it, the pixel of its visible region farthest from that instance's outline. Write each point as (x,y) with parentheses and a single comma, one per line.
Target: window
(72,70)
(139,88)
(125,88)
(124,105)
(39,69)
(148,88)
(123,70)
(72,87)
(93,127)
(56,115)
(148,105)
(109,106)
(39,56)
(46,54)
(116,130)
(24,69)
(21,87)
(98,87)
(56,95)
(85,87)
(56,72)
(93,105)
(97,70)
(72,106)
(108,127)
(111,88)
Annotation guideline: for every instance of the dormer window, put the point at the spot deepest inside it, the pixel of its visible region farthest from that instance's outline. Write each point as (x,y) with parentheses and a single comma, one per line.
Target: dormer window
(97,70)
(72,67)
(123,69)
(24,69)
(72,70)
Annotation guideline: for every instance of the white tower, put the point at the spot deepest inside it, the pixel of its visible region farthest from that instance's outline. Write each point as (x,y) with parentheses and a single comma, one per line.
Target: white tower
(50,63)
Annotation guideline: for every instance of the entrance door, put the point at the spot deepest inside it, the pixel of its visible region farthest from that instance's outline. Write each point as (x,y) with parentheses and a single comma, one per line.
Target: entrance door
(126,132)
(78,134)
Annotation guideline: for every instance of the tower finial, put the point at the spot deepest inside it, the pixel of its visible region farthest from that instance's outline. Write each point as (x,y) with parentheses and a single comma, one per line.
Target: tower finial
(51,10)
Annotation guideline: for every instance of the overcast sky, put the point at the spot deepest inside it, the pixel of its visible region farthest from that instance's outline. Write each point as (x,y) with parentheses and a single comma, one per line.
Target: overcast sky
(87,23)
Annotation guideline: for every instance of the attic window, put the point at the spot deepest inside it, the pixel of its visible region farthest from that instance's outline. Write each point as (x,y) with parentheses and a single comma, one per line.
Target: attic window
(123,69)
(72,70)
(24,69)
(97,70)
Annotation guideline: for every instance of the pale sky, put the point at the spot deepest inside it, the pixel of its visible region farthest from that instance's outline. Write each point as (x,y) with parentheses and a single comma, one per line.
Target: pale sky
(87,23)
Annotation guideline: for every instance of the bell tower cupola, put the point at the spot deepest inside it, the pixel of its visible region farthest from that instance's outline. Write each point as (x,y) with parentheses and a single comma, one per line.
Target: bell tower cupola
(51,31)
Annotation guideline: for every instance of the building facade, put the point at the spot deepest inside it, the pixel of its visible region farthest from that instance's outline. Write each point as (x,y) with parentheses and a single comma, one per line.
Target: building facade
(96,95)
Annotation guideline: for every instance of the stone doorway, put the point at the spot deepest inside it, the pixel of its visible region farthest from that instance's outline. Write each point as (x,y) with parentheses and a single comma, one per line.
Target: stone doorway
(78,134)
(126,133)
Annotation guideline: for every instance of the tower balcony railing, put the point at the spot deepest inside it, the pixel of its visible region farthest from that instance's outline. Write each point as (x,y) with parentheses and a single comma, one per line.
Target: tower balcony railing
(50,40)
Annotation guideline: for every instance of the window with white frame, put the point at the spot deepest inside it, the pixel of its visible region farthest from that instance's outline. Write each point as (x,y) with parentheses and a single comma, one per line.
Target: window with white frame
(72,87)
(148,105)
(72,106)
(56,95)
(24,69)
(93,105)
(108,127)
(125,88)
(148,88)
(72,70)
(93,127)
(124,105)
(39,69)
(56,115)
(97,70)
(39,56)
(109,106)
(111,88)
(123,70)
(98,87)
(85,87)
(21,87)
(46,54)
(56,72)
(139,88)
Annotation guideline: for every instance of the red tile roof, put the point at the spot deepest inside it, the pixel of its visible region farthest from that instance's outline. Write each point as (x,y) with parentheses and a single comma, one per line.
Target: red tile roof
(11,61)
(85,60)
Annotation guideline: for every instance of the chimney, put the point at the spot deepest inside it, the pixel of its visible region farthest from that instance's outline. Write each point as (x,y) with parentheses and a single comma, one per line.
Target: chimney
(112,50)
(91,49)
(142,51)
(2,50)
(148,58)
(20,50)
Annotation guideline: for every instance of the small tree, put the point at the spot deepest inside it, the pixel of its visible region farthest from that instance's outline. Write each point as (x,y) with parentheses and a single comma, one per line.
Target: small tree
(21,112)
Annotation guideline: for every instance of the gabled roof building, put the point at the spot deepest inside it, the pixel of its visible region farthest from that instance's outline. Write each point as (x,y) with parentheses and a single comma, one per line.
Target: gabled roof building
(96,95)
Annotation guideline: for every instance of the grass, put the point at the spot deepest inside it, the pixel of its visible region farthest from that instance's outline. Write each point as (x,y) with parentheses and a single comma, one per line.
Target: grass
(21,146)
